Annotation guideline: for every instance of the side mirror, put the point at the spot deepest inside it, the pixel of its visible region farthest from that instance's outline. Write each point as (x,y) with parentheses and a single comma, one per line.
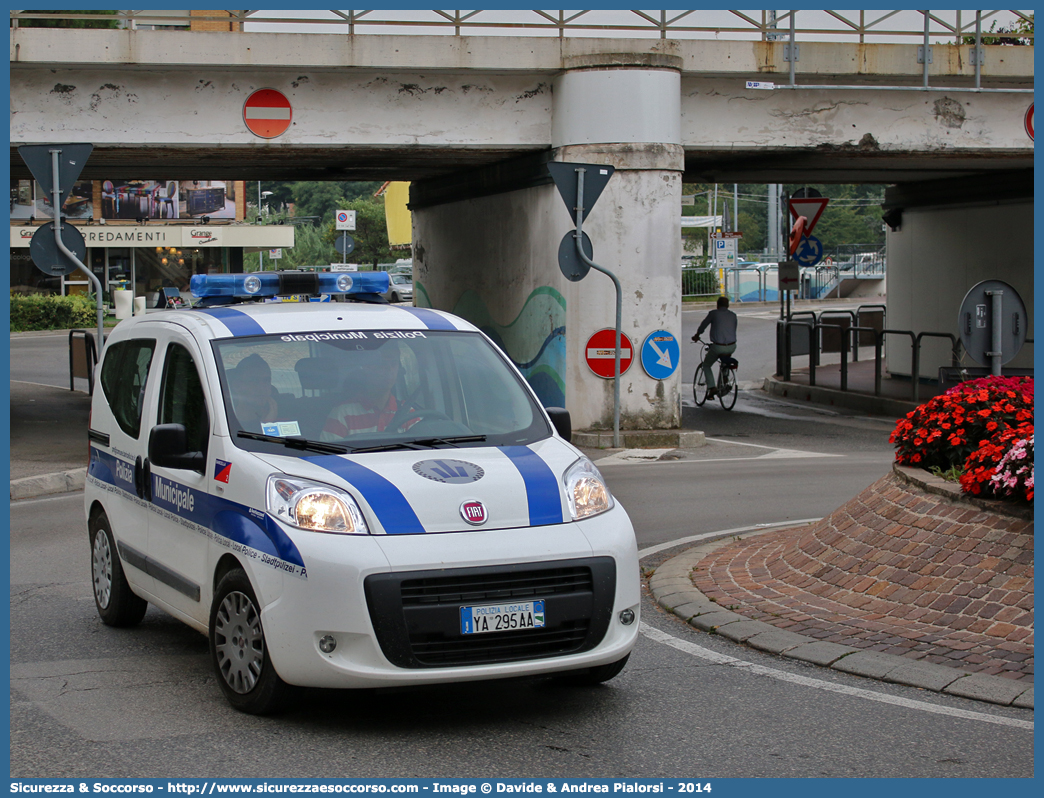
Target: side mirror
(560,418)
(168,448)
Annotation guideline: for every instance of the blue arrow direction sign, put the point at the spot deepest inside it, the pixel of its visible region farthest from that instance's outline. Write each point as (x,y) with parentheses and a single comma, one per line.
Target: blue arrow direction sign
(660,354)
(809,251)
(71,161)
(596,175)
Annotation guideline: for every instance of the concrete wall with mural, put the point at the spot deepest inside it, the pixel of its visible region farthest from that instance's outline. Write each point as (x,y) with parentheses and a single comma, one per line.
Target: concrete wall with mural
(937,256)
(486,246)
(494,261)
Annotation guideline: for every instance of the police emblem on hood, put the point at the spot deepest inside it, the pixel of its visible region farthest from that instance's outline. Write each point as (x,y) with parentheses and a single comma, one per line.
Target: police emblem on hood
(452,472)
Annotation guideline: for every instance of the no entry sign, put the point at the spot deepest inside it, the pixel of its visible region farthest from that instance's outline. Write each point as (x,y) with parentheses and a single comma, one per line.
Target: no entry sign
(1029,121)
(267,113)
(600,353)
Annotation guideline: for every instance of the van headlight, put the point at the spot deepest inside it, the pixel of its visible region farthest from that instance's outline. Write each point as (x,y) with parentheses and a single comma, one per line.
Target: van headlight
(314,506)
(586,490)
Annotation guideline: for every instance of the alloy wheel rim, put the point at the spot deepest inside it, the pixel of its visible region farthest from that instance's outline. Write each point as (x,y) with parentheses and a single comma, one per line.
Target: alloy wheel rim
(239,642)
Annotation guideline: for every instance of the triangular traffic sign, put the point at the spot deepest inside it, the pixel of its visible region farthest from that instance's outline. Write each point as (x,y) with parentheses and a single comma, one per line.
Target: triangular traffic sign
(809,207)
(71,161)
(596,175)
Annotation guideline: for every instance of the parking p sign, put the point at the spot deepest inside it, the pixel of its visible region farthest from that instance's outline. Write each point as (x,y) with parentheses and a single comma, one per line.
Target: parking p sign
(345,220)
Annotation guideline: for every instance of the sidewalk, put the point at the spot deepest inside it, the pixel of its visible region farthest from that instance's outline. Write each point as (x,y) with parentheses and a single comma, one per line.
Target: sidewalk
(894,400)
(48,439)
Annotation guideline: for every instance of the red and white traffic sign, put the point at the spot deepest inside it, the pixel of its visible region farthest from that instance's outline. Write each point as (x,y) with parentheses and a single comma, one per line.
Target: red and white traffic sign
(1029,121)
(600,353)
(267,113)
(809,207)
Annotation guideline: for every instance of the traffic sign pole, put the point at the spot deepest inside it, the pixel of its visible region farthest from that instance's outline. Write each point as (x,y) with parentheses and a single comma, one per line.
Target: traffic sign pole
(56,205)
(619,300)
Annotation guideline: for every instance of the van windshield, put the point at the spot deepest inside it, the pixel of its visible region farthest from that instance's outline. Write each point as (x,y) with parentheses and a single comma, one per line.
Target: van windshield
(374,388)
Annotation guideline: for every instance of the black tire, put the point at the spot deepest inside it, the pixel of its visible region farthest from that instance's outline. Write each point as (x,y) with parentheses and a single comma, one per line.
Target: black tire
(237,649)
(591,677)
(729,390)
(699,386)
(117,605)
(395,298)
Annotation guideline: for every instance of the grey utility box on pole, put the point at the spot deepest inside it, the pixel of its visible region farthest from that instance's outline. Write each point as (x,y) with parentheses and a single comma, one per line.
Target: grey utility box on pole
(992,323)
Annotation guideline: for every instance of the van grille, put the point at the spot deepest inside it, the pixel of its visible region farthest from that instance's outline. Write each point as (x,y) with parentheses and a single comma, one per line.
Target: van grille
(495,587)
(416,615)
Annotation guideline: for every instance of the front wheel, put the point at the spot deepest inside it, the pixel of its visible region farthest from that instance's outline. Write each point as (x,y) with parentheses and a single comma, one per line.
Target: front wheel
(729,388)
(699,386)
(238,651)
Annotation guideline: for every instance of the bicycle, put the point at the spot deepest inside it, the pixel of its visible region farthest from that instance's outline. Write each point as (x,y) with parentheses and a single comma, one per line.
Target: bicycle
(727,366)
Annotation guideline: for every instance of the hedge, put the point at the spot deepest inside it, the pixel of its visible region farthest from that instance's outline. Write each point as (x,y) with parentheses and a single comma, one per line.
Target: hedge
(52,312)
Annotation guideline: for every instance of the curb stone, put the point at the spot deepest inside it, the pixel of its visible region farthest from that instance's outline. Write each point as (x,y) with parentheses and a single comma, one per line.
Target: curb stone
(47,484)
(693,607)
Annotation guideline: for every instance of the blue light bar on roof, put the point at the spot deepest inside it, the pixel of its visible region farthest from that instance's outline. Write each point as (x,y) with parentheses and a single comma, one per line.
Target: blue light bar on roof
(270,284)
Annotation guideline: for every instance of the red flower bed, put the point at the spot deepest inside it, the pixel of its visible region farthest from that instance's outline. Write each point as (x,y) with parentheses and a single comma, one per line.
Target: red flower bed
(970,427)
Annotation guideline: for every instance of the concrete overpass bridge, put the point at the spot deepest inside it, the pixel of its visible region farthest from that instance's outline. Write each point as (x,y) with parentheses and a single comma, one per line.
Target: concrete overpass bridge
(472,120)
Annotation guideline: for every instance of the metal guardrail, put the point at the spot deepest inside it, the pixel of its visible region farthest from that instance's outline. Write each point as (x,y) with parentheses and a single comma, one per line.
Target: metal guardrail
(941,27)
(700,282)
(849,337)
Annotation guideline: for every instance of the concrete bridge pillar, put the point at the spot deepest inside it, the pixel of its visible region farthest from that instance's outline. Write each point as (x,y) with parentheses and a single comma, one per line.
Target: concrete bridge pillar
(493,259)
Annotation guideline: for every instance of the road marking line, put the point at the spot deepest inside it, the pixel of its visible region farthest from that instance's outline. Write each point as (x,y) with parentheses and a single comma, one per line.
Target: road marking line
(760,670)
(722,533)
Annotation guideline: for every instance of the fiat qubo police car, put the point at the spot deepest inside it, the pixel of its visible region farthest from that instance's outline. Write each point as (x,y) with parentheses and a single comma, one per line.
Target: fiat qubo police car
(348,494)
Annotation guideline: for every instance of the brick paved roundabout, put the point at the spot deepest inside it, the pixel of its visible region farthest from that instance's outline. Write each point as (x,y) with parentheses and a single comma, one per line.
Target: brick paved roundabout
(909,581)
(895,570)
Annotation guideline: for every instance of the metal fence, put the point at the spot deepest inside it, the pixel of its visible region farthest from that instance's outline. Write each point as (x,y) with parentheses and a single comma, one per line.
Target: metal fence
(700,282)
(942,27)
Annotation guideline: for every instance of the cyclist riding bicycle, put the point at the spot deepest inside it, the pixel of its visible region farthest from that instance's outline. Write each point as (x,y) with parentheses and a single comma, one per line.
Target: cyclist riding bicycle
(722,322)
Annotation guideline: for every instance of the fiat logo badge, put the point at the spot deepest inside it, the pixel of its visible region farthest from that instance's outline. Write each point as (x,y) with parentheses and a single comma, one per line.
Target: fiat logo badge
(473,512)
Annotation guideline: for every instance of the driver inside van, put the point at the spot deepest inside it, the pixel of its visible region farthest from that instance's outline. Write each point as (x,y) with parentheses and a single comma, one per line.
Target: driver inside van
(372,404)
(250,385)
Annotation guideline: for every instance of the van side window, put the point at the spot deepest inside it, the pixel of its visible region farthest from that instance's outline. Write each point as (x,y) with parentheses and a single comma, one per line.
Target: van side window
(123,376)
(183,401)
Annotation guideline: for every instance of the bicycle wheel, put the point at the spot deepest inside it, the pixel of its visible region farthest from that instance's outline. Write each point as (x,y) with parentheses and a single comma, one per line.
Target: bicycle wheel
(699,386)
(729,388)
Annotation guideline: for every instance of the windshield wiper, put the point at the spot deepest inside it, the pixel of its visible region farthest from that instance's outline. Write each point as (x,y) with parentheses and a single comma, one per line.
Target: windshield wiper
(295,443)
(386,447)
(449,441)
(419,443)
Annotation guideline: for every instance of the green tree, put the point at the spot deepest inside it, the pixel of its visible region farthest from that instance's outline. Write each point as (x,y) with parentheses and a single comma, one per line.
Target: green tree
(1022,29)
(371,231)
(69,23)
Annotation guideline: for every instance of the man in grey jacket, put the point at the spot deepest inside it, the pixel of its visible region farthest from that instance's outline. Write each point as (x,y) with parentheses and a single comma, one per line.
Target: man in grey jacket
(722,322)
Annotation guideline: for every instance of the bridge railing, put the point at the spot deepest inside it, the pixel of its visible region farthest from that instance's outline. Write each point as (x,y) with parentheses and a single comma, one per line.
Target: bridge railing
(941,27)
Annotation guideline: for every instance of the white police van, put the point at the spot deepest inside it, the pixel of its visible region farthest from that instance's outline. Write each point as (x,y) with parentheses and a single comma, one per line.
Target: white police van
(348,494)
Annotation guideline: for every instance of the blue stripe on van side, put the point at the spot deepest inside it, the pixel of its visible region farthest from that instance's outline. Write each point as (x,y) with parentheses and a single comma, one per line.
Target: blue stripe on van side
(238,322)
(228,519)
(431,319)
(542,492)
(387,502)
